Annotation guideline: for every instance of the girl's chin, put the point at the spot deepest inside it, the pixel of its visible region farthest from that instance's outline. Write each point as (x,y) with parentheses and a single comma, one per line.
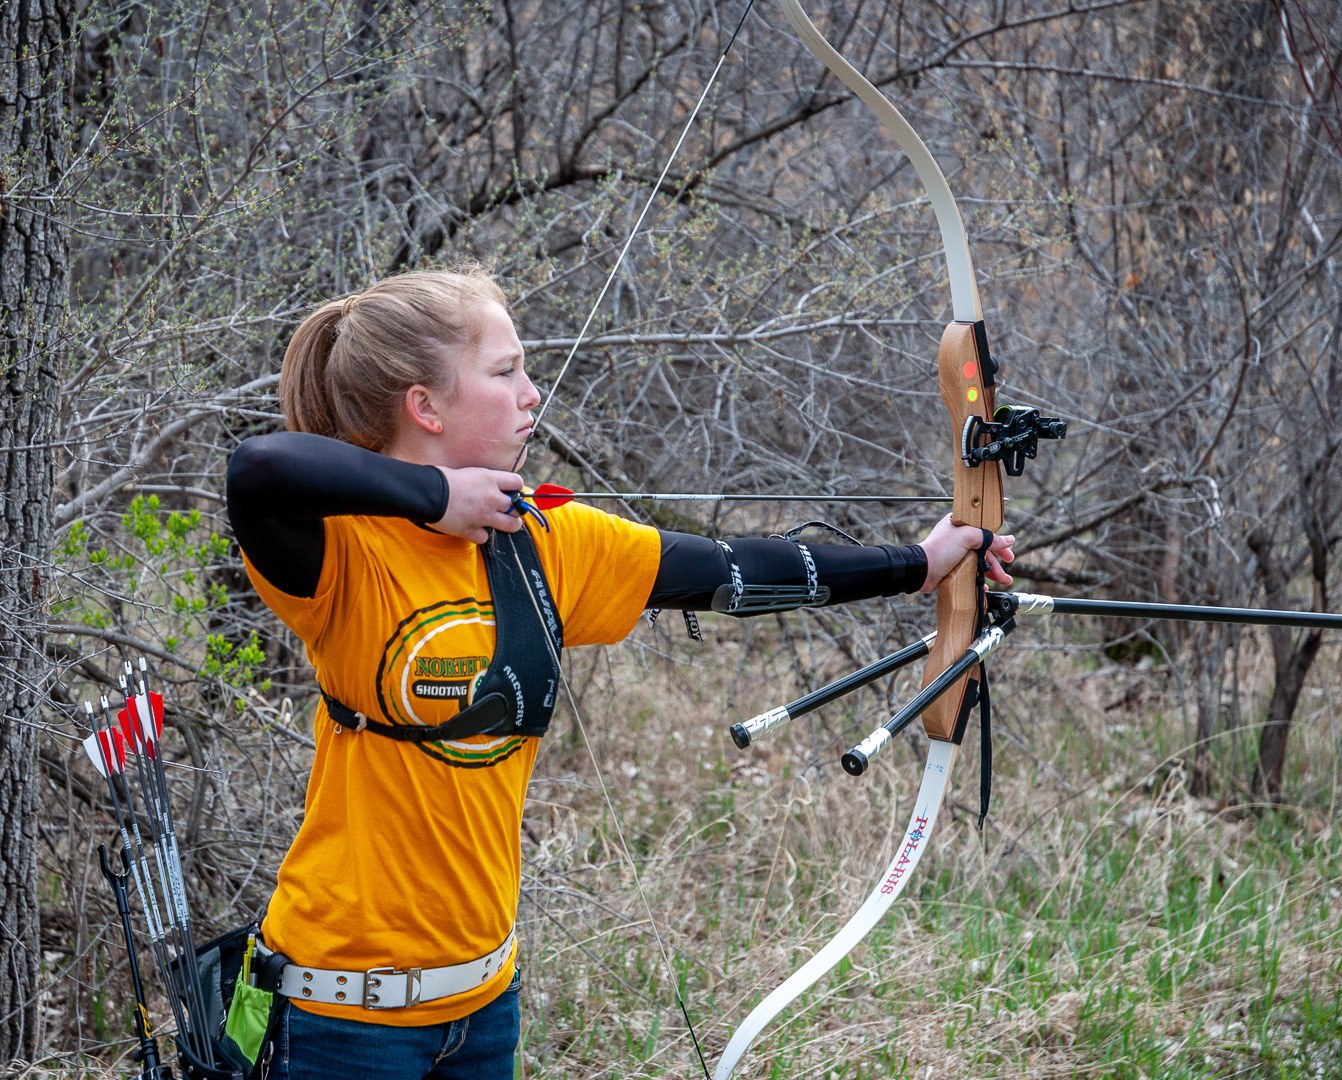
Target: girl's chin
(507,461)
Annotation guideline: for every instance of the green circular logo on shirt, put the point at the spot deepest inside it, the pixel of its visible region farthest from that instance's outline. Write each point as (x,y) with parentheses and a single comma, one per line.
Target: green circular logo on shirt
(422,679)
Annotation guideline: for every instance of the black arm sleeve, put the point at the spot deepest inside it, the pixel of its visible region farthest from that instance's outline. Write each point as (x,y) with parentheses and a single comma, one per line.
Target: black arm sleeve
(280,486)
(693,567)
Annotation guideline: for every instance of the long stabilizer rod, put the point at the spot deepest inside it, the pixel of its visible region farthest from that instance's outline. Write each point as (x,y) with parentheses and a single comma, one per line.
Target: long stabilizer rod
(1034,604)
(857,759)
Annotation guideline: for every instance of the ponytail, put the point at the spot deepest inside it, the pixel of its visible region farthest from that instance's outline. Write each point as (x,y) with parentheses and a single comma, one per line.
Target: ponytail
(304,398)
(349,364)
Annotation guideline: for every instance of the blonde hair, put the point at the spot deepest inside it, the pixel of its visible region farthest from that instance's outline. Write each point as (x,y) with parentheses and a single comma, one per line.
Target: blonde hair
(349,364)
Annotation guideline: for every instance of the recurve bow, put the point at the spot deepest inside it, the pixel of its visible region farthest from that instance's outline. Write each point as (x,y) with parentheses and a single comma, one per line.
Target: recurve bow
(966,378)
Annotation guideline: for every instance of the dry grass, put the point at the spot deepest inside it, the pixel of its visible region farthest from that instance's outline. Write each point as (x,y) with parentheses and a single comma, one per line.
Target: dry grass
(995,962)
(1105,922)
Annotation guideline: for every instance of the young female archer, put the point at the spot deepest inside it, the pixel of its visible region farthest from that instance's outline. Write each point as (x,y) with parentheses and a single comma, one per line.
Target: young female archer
(382,529)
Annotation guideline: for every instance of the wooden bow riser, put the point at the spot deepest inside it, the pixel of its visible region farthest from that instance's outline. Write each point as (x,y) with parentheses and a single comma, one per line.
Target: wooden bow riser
(978,502)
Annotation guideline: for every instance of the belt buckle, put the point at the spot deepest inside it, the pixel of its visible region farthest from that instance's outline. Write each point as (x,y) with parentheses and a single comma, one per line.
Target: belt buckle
(372,981)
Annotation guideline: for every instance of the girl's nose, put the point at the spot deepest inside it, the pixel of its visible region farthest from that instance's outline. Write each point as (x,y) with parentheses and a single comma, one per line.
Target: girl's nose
(530,397)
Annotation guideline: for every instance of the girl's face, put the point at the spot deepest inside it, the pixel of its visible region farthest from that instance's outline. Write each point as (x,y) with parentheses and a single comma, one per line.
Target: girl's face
(488,421)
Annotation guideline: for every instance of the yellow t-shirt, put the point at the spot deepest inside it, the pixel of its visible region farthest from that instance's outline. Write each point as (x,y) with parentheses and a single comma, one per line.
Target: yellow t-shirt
(409,854)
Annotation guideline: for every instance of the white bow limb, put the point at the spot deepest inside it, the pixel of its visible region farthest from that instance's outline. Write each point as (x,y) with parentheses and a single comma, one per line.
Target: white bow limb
(936,774)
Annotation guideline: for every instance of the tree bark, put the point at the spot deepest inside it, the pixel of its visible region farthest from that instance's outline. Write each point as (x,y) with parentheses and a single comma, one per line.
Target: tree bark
(34,79)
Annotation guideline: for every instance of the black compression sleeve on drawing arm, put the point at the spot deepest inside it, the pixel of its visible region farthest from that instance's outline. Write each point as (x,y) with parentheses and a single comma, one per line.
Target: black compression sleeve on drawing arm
(281,485)
(694,567)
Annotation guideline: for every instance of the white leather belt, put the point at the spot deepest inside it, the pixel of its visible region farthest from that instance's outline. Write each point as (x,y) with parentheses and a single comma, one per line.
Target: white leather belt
(392,988)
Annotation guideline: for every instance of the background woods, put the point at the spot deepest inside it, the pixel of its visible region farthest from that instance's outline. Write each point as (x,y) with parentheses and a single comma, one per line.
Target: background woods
(1152,192)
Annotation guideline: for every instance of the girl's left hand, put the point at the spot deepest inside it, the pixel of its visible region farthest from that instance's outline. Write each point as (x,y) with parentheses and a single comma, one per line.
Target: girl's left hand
(947,546)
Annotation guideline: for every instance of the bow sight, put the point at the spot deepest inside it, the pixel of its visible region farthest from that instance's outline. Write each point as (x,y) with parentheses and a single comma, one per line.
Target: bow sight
(1010,437)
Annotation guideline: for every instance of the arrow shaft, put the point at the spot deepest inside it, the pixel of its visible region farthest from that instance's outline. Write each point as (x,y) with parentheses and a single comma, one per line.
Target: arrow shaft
(655,496)
(182,973)
(132,841)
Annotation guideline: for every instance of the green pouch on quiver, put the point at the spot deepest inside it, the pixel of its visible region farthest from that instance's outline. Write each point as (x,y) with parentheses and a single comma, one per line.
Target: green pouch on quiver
(238,978)
(248,1018)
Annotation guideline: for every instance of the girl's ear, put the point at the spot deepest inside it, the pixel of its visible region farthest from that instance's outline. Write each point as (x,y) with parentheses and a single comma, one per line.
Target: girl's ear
(421,410)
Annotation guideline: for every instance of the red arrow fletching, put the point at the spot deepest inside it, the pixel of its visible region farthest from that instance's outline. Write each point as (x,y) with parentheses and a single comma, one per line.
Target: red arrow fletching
(549,495)
(106,749)
(130,722)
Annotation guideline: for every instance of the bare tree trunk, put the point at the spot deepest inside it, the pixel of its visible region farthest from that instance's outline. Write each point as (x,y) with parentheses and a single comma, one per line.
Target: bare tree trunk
(34,78)
(1206,648)
(1292,660)
(1292,667)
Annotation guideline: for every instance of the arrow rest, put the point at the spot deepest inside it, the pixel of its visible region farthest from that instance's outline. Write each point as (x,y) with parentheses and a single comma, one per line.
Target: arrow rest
(1011,437)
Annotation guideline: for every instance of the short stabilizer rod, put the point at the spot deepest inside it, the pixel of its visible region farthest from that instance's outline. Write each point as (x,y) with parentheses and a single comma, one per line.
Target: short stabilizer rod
(743,733)
(857,759)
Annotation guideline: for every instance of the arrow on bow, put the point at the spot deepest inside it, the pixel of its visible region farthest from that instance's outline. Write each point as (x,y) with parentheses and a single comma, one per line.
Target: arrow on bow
(546,496)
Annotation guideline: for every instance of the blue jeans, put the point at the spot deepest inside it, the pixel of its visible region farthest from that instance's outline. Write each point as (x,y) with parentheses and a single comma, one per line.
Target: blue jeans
(481,1046)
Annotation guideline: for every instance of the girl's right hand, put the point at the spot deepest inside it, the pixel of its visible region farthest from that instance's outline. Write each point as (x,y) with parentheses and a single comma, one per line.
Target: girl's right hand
(478,500)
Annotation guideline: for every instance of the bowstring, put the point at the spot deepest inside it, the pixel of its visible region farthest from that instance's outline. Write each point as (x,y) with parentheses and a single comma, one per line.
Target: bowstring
(629,240)
(625,852)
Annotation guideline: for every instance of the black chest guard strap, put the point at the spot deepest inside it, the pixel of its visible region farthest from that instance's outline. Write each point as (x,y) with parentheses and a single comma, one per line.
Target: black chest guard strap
(516,695)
